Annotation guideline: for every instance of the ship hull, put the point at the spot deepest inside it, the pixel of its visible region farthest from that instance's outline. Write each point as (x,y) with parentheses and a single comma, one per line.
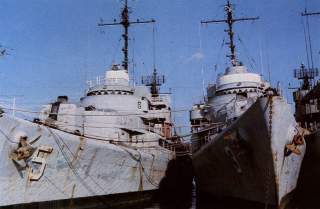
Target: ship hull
(247,160)
(68,166)
(124,200)
(306,194)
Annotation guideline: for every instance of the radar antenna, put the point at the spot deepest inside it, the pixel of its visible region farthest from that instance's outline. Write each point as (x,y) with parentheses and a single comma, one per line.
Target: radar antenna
(154,81)
(125,22)
(307,75)
(230,20)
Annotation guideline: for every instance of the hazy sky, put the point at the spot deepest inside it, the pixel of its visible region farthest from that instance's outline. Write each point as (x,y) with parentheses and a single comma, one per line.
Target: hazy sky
(57,45)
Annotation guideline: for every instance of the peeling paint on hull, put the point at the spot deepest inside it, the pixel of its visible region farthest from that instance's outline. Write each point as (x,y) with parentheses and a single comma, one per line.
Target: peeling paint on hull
(77,167)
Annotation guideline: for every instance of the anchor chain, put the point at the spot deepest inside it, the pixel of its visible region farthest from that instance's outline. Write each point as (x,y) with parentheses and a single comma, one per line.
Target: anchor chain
(270,116)
(268,172)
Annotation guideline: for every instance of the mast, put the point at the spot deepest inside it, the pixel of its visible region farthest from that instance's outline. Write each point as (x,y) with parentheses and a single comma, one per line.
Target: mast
(230,21)
(307,74)
(125,23)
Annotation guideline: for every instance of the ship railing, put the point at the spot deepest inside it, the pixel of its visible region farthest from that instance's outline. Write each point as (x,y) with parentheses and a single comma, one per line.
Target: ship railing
(212,128)
(163,98)
(158,130)
(100,80)
(176,146)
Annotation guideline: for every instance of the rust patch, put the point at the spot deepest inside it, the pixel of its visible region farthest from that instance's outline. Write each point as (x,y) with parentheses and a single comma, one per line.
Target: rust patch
(151,166)
(293,148)
(298,139)
(78,150)
(73,190)
(229,136)
(133,172)
(275,156)
(141,178)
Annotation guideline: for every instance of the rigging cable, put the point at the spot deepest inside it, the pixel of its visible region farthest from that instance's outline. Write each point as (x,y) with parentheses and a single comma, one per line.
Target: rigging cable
(306,41)
(154,45)
(220,52)
(109,115)
(310,44)
(202,65)
(8,138)
(115,52)
(252,62)
(69,162)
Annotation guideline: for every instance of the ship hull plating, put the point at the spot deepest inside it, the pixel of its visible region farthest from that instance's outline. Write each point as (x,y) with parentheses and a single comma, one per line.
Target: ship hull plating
(248,159)
(307,195)
(66,166)
(123,200)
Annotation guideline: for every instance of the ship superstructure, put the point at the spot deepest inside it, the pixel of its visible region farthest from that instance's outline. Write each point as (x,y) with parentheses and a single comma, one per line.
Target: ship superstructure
(306,96)
(307,112)
(244,135)
(115,141)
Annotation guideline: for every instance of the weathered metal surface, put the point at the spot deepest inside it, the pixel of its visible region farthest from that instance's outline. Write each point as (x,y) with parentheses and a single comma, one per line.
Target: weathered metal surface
(108,144)
(99,168)
(307,192)
(245,138)
(244,161)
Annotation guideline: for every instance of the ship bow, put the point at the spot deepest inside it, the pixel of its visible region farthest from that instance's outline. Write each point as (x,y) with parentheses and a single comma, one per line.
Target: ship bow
(257,158)
(287,146)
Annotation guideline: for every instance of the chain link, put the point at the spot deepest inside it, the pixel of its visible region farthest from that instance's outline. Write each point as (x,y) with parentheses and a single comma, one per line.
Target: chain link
(268,172)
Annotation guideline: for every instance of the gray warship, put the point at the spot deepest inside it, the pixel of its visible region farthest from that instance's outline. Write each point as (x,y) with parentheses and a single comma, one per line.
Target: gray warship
(307,112)
(113,143)
(246,142)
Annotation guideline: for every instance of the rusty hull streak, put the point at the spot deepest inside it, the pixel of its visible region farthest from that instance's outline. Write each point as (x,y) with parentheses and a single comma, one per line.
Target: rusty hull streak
(89,157)
(133,171)
(73,190)
(151,166)
(91,161)
(80,148)
(141,178)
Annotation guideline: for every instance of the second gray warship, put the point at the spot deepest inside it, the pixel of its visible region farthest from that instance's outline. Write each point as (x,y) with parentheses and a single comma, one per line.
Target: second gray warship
(114,143)
(307,113)
(245,140)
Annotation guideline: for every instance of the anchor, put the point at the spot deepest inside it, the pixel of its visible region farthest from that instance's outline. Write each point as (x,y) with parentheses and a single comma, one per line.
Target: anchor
(27,156)
(297,140)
